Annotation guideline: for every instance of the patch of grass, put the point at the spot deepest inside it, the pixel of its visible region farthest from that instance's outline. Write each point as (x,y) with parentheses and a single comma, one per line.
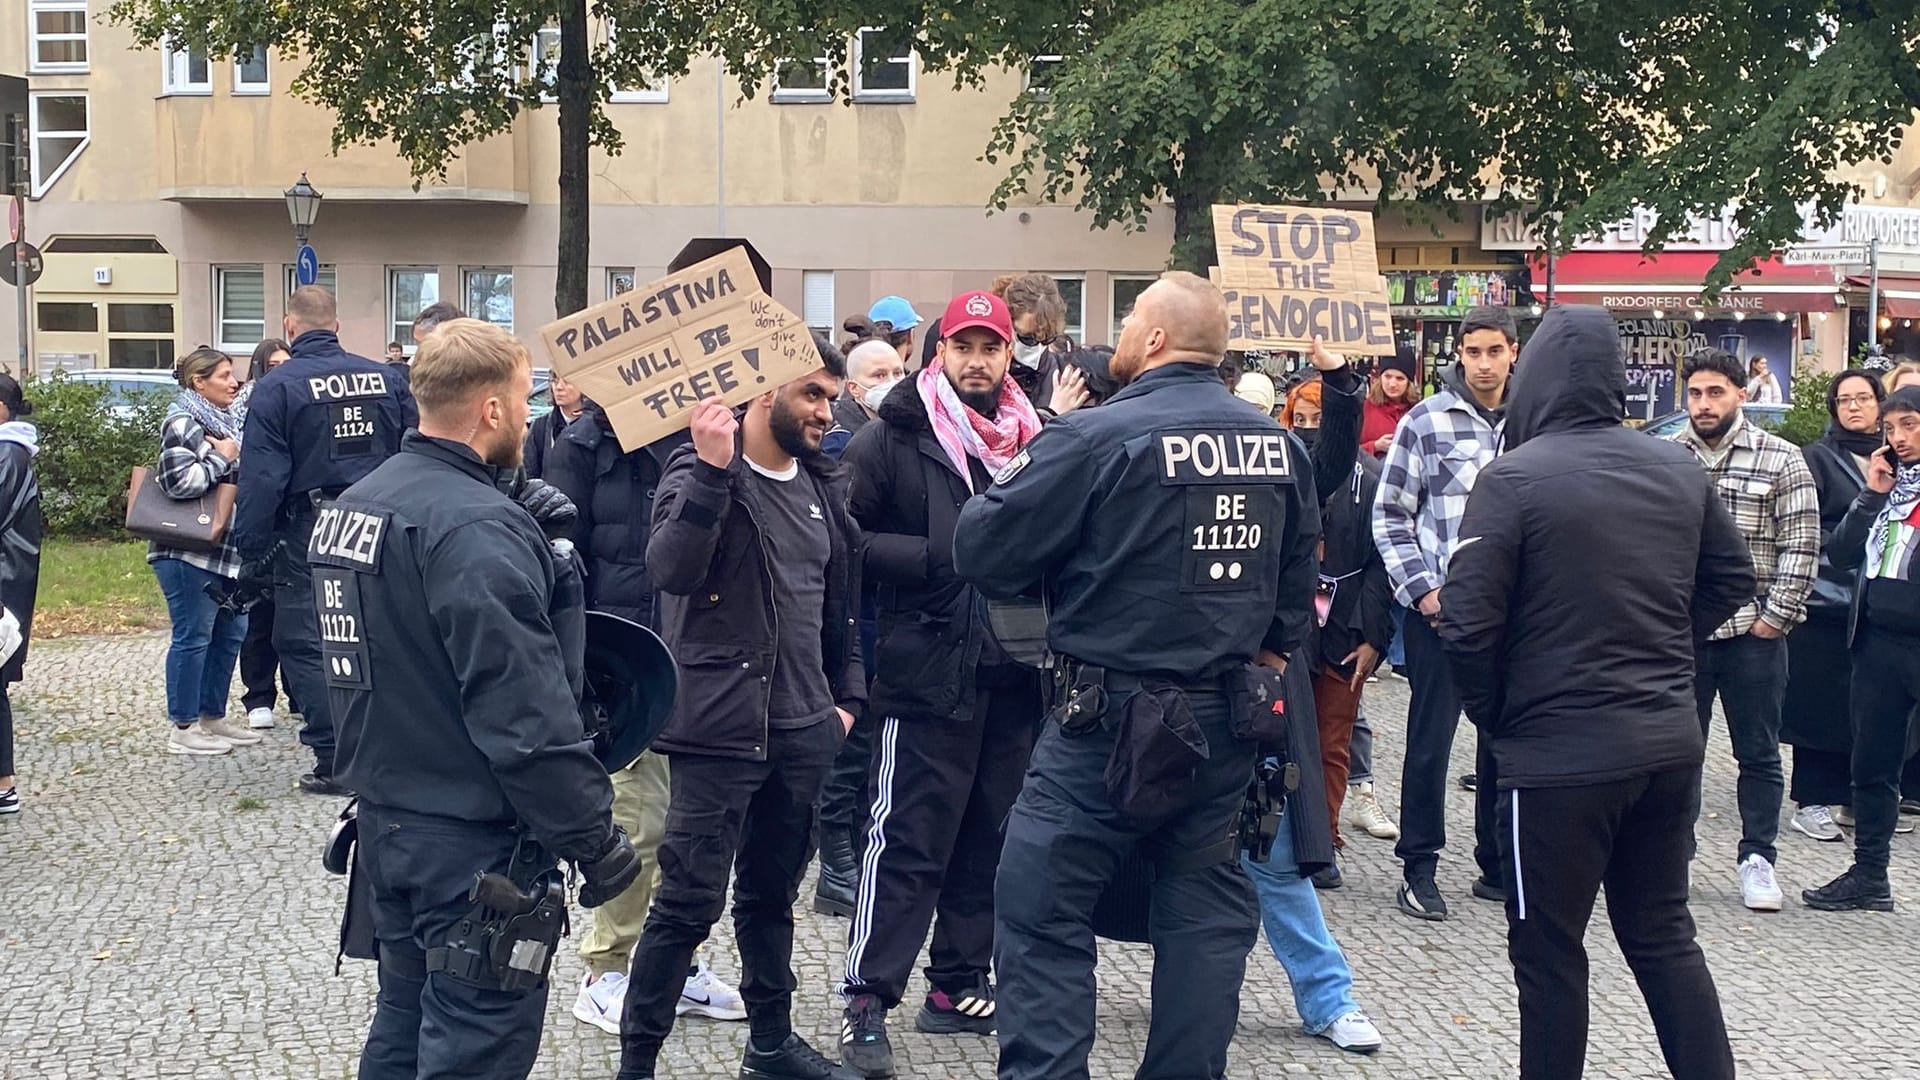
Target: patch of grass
(249,802)
(96,587)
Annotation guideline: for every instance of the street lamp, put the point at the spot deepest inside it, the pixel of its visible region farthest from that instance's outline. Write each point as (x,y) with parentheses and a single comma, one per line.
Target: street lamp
(303,205)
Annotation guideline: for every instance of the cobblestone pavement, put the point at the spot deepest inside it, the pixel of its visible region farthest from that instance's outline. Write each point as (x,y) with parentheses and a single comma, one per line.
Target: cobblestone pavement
(167,916)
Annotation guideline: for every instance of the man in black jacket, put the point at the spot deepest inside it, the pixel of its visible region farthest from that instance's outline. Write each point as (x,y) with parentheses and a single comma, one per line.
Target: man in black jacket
(452,649)
(1580,677)
(758,566)
(544,434)
(958,716)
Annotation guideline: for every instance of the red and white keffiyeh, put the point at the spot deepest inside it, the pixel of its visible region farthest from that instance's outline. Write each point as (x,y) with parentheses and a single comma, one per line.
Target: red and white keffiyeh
(964,434)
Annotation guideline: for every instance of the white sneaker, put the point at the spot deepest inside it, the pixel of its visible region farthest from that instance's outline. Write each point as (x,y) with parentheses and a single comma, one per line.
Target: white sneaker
(1758,887)
(601,1001)
(1816,821)
(260,719)
(225,729)
(705,995)
(1364,812)
(1353,1032)
(193,739)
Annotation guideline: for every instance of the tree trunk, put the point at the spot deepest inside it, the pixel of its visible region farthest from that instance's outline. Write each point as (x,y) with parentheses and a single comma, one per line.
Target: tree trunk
(575,90)
(1194,194)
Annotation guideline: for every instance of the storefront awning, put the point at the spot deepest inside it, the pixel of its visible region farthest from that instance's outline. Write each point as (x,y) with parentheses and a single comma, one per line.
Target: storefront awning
(1628,282)
(1899,293)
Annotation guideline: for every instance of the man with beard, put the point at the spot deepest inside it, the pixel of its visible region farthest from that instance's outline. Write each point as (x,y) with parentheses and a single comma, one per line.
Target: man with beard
(1766,485)
(957,714)
(1881,537)
(1436,453)
(451,642)
(758,568)
(1171,530)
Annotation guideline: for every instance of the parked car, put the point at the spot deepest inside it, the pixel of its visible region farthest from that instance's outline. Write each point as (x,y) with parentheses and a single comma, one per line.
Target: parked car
(126,387)
(1767,416)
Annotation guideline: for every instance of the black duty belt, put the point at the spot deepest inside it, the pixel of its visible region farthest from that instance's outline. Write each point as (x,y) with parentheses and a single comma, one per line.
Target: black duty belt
(1086,690)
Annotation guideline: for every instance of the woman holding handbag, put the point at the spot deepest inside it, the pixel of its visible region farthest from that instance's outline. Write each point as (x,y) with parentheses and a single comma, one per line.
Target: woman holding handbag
(199,448)
(19,560)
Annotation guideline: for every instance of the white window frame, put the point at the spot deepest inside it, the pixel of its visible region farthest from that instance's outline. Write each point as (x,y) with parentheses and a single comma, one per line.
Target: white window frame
(549,78)
(1026,77)
(654,93)
(327,276)
(176,66)
(614,274)
(247,89)
(803,95)
(36,132)
(809,280)
(220,315)
(468,273)
(403,332)
(1076,331)
(860,92)
(36,8)
(1113,295)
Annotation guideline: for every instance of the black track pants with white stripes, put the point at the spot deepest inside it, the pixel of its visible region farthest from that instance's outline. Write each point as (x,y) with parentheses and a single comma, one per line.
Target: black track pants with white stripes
(1635,837)
(941,792)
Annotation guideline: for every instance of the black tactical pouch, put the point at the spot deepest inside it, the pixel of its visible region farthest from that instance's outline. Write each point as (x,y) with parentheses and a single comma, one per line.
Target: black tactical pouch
(1157,748)
(1260,707)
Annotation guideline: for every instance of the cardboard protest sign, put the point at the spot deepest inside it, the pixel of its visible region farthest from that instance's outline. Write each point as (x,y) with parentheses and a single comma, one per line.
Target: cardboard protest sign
(1293,273)
(650,355)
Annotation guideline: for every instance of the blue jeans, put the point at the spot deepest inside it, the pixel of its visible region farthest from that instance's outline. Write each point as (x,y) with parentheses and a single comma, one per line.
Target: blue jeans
(1397,648)
(1750,676)
(1290,911)
(206,642)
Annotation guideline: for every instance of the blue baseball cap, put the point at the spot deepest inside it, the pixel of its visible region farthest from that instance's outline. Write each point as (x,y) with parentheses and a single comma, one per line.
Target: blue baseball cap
(895,311)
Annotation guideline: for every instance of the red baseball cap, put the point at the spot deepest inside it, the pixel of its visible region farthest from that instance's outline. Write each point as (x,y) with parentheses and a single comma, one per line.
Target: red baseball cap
(969,310)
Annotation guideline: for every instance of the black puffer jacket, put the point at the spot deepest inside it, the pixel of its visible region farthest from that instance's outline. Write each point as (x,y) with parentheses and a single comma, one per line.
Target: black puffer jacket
(906,497)
(711,563)
(613,491)
(1571,643)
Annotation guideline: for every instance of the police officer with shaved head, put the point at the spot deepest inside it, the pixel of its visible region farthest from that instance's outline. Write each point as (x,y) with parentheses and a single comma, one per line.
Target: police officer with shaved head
(1171,533)
(316,424)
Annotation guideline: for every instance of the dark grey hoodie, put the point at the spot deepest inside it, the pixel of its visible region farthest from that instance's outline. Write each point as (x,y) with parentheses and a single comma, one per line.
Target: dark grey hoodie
(1591,559)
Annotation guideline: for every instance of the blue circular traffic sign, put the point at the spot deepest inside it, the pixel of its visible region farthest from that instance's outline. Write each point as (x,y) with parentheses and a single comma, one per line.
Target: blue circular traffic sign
(306,269)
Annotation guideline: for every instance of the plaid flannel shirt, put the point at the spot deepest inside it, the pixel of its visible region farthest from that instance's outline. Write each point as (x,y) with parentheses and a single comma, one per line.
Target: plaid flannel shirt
(1437,453)
(188,467)
(1766,485)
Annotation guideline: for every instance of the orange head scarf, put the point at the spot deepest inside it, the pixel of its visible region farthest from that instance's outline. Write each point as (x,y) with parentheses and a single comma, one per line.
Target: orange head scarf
(1308,391)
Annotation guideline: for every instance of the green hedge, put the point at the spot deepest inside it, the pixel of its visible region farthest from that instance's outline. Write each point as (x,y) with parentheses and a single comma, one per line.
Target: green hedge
(90,440)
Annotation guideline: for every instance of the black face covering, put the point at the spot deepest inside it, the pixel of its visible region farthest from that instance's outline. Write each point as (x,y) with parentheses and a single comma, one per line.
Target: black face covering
(1308,435)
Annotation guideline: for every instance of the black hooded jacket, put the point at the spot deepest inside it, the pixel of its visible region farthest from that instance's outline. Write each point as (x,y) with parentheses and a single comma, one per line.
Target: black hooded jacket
(1591,560)
(612,491)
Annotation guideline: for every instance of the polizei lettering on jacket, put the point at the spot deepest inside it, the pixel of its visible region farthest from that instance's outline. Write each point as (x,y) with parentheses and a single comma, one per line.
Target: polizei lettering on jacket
(672,301)
(348,538)
(1216,457)
(353,384)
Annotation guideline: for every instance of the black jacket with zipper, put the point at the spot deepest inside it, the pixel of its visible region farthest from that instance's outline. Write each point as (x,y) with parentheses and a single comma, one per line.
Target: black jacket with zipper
(1347,482)
(613,492)
(709,559)
(542,437)
(1592,559)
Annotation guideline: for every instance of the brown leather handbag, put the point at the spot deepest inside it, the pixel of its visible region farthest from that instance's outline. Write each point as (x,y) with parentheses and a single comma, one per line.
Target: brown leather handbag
(196,524)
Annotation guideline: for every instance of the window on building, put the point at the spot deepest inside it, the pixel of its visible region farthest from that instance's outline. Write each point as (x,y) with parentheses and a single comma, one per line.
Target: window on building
(250,72)
(239,306)
(619,281)
(410,290)
(1073,289)
(1042,72)
(186,70)
(546,61)
(140,334)
(802,80)
(69,318)
(327,279)
(648,89)
(59,133)
(882,65)
(57,32)
(1125,289)
(816,290)
(488,291)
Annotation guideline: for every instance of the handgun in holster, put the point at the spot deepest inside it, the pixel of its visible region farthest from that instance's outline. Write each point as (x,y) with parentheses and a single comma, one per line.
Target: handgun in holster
(508,938)
(1260,813)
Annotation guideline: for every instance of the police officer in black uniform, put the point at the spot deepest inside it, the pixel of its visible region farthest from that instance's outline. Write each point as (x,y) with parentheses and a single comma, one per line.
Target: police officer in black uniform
(315,425)
(445,627)
(1171,531)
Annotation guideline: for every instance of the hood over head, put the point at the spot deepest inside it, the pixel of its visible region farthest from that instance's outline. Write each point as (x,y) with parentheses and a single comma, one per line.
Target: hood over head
(19,431)
(1574,376)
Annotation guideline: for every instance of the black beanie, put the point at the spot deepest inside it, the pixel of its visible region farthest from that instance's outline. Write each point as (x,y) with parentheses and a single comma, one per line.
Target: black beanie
(1405,361)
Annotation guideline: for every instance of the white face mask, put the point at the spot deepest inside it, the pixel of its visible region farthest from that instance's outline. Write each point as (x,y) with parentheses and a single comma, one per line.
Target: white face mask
(1028,356)
(874,396)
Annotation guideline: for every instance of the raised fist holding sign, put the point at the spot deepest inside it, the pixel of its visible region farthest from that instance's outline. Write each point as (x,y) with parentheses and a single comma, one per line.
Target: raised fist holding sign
(714,428)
